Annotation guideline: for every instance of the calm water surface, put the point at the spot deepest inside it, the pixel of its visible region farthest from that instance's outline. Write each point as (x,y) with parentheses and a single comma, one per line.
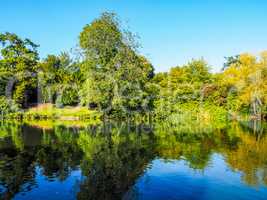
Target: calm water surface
(45,161)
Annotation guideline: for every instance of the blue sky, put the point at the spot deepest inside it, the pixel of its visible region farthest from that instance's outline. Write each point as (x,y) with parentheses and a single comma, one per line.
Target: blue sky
(171,31)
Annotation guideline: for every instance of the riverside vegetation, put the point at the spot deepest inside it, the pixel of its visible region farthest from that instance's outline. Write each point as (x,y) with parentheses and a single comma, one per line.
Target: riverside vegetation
(99,123)
(108,78)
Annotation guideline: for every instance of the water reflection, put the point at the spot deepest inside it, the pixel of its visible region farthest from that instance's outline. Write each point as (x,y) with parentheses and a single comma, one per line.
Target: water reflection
(109,161)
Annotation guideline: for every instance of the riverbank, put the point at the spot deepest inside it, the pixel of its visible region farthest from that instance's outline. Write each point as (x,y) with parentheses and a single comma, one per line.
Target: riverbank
(51,112)
(195,114)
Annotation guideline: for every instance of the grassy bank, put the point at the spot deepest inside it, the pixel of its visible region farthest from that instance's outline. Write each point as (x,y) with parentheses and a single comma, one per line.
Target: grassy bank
(51,112)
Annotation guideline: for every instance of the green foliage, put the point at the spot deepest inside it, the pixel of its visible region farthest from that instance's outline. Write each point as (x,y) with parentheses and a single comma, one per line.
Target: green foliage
(18,61)
(240,89)
(113,78)
(4,105)
(59,80)
(7,106)
(116,77)
(181,90)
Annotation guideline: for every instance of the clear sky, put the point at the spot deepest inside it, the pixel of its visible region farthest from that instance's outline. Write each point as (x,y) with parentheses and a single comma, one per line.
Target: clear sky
(171,31)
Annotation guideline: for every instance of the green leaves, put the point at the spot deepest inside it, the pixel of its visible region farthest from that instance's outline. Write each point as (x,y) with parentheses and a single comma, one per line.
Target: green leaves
(114,78)
(115,75)
(101,39)
(18,60)
(7,106)
(59,80)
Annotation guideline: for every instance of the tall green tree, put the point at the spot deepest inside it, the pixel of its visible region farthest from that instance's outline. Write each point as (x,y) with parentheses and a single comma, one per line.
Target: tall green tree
(18,61)
(116,77)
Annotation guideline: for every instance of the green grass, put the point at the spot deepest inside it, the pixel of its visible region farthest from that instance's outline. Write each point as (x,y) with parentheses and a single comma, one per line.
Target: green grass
(49,111)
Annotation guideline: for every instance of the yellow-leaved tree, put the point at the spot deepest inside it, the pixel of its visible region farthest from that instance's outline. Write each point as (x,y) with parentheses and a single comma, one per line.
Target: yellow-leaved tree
(246,80)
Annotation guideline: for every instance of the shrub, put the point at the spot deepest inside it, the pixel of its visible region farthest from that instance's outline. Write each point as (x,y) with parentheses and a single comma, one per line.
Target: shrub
(7,106)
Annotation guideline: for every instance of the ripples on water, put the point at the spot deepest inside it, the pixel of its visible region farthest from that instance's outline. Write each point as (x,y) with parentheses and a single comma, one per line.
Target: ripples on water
(137,162)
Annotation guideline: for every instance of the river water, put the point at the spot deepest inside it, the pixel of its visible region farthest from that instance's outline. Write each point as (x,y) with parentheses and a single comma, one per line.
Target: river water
(57,161)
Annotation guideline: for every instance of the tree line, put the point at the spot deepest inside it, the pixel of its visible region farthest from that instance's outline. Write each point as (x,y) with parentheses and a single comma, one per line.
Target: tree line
(111,76)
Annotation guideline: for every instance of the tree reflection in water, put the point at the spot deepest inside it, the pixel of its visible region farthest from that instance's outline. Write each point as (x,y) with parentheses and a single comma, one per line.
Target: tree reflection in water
(113,157)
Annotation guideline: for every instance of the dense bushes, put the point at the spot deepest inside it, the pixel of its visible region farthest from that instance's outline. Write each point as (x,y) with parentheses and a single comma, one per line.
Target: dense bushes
(240,90)
(7,106)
